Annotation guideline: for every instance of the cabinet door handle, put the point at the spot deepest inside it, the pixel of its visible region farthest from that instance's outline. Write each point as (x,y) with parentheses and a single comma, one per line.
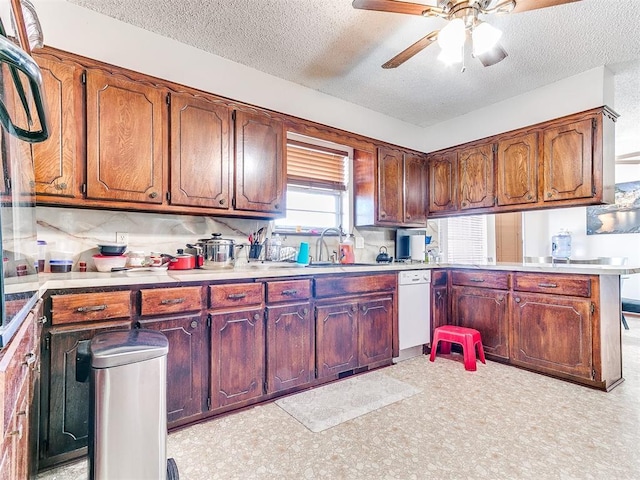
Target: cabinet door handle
(277,206)
(171,301)
(256,316)
(153,194)
(305,311)
(354,308)
(476,280)
(236,296)
(222,201)
(291,291)
(194,324)
(93,308)
(29,359)
(42,320)
(548,285)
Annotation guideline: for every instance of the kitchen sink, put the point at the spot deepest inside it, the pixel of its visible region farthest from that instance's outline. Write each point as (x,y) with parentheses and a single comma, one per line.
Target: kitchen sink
(338,265)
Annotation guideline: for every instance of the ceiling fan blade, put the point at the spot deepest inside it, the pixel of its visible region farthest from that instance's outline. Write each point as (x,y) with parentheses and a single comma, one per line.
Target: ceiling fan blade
(526,5)
(417,47)
(391,6)
(493,56)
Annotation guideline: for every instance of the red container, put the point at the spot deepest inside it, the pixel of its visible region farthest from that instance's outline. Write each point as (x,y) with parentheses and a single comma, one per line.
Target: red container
(182,261)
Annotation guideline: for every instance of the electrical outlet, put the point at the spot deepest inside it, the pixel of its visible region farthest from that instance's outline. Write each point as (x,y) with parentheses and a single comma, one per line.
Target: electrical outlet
(359,242)
(122,237)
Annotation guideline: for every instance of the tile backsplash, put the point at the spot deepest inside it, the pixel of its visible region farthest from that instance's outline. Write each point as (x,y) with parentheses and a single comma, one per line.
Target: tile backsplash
(75,233)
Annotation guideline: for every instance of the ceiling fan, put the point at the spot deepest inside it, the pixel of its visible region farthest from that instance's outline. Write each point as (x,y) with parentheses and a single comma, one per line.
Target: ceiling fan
(463,19)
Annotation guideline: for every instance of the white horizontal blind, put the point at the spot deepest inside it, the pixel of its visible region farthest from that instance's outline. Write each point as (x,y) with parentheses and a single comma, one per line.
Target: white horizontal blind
(467,239)
(313,166)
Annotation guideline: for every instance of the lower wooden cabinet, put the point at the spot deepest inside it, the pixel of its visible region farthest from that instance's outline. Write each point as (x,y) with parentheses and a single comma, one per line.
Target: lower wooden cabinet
(290,343)
(237,356)
(375,318)
(336,337)
(553,333)
(187,365)
(64,416)
(439,299)
(486,310)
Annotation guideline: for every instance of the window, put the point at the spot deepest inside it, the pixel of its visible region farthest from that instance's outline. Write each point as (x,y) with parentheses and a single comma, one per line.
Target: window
(465,239)
(317,186)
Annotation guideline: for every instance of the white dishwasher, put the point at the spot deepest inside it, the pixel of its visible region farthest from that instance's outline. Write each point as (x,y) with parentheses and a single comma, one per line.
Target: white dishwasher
(414,312)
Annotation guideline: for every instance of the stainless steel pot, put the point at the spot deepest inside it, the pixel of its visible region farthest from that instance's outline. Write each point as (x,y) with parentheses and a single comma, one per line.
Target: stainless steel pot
(218,252)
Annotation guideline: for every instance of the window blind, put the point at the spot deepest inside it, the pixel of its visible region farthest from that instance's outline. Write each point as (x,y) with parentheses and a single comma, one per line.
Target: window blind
(314,166)
(467,239)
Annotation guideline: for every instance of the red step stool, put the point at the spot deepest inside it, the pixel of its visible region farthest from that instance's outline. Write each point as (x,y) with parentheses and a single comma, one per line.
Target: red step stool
(467,337)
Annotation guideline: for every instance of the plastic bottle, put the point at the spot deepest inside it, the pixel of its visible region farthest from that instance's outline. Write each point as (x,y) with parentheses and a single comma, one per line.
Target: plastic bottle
(561,244)
(347,255)
(276,245)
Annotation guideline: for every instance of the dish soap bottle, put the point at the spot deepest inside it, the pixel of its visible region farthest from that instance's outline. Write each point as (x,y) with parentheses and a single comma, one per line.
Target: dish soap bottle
(347,255)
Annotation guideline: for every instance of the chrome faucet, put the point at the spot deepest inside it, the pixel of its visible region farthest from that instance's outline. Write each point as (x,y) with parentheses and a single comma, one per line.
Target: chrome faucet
(320,242)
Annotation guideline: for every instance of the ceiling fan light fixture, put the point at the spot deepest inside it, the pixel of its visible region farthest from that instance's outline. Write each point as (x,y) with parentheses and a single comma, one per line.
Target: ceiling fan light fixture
(484,37)
(451,55)
(453,35)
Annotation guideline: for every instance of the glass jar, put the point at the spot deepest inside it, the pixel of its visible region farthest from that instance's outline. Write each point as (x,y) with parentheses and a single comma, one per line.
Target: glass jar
(135,259)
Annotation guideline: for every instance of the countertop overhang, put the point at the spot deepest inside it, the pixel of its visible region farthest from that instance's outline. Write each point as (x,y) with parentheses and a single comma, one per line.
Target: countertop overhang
(258,271)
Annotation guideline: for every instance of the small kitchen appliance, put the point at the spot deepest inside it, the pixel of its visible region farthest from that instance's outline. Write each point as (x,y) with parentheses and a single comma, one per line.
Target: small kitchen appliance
(404,243)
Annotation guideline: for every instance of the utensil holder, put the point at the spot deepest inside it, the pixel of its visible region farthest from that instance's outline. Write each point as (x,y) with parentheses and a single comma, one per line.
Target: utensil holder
(254,251)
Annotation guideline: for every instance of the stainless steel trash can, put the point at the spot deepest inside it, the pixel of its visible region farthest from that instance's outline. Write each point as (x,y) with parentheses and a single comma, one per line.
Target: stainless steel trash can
(128,416)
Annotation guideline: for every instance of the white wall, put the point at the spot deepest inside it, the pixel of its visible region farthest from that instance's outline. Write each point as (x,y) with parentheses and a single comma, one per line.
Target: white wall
(539,226)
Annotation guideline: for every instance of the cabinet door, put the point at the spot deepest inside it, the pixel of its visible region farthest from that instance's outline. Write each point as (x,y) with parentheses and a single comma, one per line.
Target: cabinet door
(200,136)
(375,321)
(289,346)
(58,159)
(125,139)
(67,404)
(186,364)
(517,165)
(475,174)
(237,356)
(486,310)
(260,174)
(552,334)
(336,338)
(390,186)
(439,300)
(442,182)
(568,161)
(416,188)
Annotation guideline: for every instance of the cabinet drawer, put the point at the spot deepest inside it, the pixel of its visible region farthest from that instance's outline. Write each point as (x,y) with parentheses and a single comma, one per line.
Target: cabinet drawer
(480,278)
(575,285)
(88,307)
(158,301)
(15,361)
(236,295)
(288,290)
(333,285)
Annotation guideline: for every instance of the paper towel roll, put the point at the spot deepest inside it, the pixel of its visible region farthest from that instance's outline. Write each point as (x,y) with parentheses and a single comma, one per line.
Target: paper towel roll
(417,248)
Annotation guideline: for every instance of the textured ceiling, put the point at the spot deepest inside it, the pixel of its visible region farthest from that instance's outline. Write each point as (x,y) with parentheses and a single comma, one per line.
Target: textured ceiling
(329,46)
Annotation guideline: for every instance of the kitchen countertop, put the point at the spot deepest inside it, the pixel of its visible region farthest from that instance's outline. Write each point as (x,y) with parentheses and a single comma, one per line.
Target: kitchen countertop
(263,270)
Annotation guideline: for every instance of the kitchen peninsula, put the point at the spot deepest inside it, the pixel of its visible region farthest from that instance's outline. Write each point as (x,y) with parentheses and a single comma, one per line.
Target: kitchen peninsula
(560,320)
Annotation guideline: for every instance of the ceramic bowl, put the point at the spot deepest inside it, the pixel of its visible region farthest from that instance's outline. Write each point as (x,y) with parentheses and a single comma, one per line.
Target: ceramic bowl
(112,249)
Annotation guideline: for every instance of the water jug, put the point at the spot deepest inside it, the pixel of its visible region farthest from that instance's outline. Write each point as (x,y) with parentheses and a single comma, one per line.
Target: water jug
(561,244)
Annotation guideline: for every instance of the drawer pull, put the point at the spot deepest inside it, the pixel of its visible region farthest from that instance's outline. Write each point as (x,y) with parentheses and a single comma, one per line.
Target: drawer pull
(291,292)
(548,285)
(29,359)
(236,296)
(172,301)
(94,308)
(476,280)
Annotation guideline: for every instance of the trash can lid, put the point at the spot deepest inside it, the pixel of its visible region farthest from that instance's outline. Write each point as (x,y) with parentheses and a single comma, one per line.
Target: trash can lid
(122,347)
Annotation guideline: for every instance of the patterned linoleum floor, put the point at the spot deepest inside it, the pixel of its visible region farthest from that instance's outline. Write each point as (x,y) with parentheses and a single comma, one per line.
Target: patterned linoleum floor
(496,423)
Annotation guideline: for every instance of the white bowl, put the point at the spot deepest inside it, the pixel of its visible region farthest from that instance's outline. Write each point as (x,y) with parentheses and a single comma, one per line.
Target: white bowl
(104,263)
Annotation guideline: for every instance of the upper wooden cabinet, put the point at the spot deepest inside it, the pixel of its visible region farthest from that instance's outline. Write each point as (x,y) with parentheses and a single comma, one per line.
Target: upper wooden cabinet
(390,189)
(260,170)
(475,176)
(57,172)
(125,142)
(443,182)
(517,168)
(567,159)
(200,152)
(565,162)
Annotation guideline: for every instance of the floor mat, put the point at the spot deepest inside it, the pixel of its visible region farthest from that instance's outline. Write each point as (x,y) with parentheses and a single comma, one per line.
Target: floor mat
(327,406)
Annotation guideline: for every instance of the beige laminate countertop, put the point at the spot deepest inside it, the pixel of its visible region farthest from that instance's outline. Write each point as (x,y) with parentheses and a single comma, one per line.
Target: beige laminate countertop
(94,279)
